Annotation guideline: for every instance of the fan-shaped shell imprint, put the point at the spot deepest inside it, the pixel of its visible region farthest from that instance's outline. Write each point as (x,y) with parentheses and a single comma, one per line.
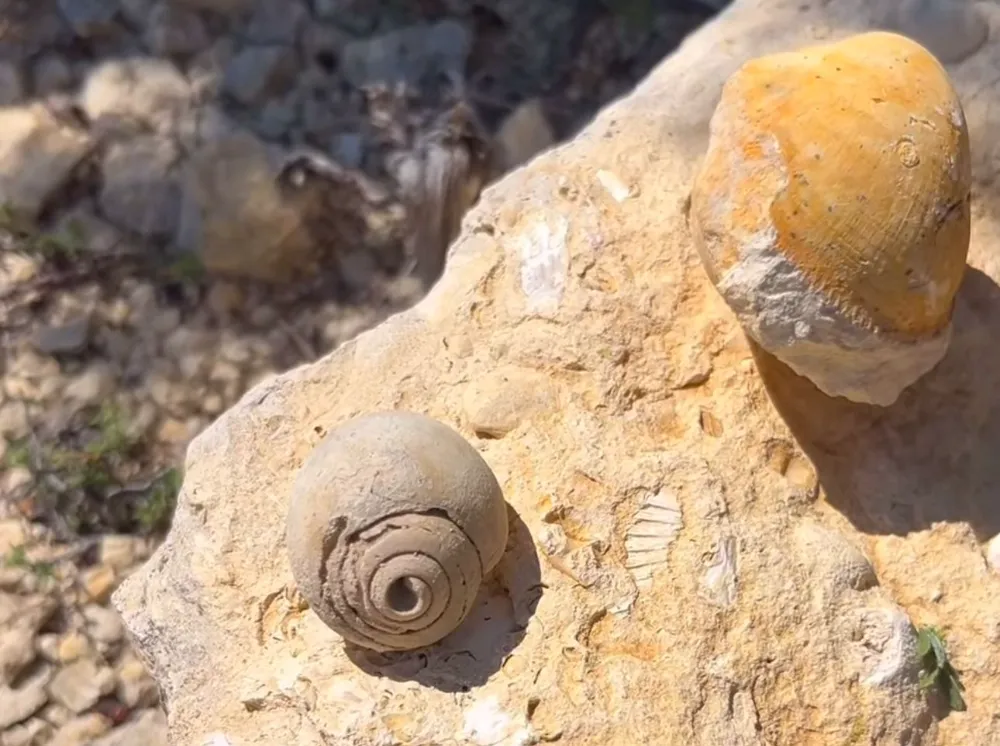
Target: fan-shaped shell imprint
(648,540)
(394,521)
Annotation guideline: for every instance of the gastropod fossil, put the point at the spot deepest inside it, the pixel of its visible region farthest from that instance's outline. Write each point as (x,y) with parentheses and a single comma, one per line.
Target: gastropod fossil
(832,210)
(394,521)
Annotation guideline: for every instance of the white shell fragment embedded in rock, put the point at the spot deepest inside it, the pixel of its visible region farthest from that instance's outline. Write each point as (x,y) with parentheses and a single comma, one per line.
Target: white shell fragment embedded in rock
(654,529)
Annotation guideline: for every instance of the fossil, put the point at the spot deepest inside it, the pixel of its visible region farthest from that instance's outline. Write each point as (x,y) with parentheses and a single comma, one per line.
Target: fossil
(394,522)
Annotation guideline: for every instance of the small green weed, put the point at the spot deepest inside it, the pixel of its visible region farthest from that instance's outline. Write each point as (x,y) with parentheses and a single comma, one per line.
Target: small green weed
(936,669)
(18,557)
(86,478)
(155,510)
(67,244)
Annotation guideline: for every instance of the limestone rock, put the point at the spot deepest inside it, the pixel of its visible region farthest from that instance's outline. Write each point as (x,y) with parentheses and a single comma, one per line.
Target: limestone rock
(140,91)
(761,621)
(38,154)
(235,216)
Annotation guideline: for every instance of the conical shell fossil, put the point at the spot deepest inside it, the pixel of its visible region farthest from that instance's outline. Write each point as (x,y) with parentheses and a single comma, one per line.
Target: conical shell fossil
(394,521)
(832,210)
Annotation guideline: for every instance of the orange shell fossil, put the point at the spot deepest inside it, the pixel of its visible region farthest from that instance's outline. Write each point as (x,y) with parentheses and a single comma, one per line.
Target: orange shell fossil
(832,210)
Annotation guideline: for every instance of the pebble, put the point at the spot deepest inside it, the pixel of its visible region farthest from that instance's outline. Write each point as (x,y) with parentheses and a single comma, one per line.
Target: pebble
(12,534)
(103,624)
(27,698)
(29,733)
(257,72)
(62,338)
(14,419)
(120,551)
(99,582)
(17,651)
(276,22)
(82,731)
(136,688)
(72,646)
(172,29)
(92,386)
(140,192)
(149,728)
(80,684)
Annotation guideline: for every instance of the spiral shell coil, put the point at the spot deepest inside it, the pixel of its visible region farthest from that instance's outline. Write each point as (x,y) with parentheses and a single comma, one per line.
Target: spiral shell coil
(394,521)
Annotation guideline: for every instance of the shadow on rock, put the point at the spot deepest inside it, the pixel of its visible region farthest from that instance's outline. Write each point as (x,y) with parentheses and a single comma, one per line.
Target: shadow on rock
(475,651)
(931,456)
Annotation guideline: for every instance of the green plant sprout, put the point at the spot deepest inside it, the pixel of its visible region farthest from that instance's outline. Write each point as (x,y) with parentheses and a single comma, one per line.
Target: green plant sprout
(936,670)
(18,557)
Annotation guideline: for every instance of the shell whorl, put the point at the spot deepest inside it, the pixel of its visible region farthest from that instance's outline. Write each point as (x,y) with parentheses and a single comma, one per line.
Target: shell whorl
(394,521)
(406,578)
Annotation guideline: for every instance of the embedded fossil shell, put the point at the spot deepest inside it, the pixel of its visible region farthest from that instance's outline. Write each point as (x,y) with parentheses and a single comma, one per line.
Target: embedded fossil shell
(394,521)
(832,210)
(648,540)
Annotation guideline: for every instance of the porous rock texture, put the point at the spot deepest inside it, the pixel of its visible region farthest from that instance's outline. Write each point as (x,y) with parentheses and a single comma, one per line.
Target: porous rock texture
(703,548)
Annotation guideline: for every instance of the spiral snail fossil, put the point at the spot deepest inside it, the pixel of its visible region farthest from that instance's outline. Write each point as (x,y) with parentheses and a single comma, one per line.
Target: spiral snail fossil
(394,521)
(832,210)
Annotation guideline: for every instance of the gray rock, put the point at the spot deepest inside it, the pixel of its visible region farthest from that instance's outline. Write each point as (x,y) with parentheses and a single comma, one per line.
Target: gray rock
(37,154)
(11,84)
(332,9)
(323,44)
(52,75)
(407,55)
(24,700)
(277,117)
(319,116)
(89,17)
(62,338)
(257,72)
(173,30)
(79,685)
(276,22)
(137,12)
(34,25)
(222,7)
(141,191)
(348,149)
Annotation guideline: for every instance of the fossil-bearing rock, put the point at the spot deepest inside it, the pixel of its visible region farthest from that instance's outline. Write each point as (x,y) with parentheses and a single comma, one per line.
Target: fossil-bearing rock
(761,626)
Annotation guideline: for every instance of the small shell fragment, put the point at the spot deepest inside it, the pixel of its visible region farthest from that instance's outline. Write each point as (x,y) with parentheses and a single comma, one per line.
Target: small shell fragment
(719,583)
(618,190)
(648,541)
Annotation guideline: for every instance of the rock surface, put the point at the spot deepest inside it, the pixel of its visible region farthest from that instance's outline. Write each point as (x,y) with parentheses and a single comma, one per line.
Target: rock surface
(798,540)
